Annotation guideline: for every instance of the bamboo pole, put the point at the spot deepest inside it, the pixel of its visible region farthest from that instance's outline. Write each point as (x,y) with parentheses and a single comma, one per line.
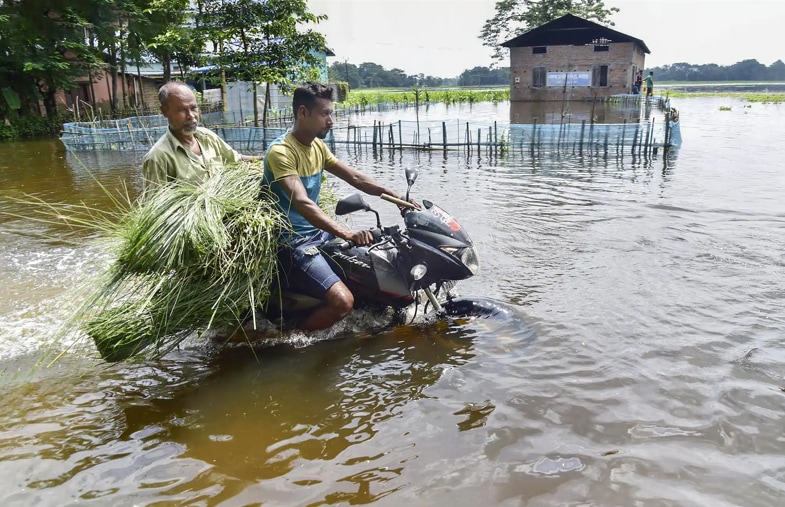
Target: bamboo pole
(444,135)
(534,136)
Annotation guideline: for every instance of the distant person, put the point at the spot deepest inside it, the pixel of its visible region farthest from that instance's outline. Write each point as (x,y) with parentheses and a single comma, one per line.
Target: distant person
(650,84)
(636,87)
(186,152)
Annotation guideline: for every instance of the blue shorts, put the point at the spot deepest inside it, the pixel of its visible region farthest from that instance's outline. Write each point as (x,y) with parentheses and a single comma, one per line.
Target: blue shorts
(303,267)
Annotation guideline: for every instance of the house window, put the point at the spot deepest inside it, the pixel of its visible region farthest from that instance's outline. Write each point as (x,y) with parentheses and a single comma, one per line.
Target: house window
(539,50)
(599,75)
(598,49)
(538,77)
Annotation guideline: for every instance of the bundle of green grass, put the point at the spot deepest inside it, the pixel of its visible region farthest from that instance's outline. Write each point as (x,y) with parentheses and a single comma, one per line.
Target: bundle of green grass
(191,258)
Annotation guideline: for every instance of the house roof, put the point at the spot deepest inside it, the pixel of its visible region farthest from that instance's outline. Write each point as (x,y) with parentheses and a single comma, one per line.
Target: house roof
(570,30)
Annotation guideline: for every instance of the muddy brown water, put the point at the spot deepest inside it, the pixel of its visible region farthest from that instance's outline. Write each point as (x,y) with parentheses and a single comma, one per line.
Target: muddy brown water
(642,363)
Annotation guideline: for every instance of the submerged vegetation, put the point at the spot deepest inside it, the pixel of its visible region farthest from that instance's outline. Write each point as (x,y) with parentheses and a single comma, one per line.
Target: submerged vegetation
(411,96)
(761,97)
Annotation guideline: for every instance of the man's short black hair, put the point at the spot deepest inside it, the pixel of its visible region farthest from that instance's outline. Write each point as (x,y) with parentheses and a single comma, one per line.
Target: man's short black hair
(307,93)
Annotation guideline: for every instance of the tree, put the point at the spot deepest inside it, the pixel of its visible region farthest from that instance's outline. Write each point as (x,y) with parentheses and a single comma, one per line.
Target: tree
(267,41)
(745,70)
(44,49)
(748,70)
(776,71)
(167,33)
(514,17)
(345,71)
(484,76)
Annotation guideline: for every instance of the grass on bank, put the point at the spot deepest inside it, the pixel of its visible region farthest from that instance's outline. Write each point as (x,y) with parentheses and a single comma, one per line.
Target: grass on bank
(758,97)
(364,97)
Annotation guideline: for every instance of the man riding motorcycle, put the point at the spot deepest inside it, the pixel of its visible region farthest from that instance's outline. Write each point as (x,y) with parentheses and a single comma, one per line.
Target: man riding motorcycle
(293,168)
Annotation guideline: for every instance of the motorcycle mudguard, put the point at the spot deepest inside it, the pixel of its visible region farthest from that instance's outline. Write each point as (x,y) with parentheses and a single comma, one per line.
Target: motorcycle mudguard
(477,307)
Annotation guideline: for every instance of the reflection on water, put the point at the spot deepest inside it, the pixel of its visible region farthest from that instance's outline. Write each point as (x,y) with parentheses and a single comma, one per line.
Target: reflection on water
(642,364)
(573,112)
(169,430)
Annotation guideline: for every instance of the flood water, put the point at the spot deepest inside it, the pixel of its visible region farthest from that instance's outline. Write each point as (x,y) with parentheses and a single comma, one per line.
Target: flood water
(642,363)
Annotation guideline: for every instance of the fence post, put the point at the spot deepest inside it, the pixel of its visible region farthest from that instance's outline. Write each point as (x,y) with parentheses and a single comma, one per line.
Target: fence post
(444,135)
(583,128)
(623,135)
(651,136)
(668,129)
(495,137)
(534,135)
(390,138)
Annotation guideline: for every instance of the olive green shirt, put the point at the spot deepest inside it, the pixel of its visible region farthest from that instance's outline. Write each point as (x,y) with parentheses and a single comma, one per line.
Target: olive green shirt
(168,160)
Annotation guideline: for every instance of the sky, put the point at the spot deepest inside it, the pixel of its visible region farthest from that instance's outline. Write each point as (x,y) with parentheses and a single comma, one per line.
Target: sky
(441,37)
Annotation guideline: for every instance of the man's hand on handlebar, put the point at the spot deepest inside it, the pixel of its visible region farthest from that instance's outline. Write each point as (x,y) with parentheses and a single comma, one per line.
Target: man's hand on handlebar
(361,238)
(413,201)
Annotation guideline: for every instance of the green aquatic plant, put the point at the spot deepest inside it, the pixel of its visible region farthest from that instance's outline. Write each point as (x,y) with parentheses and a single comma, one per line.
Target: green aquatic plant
(762,97)
(725,108)
(364,98)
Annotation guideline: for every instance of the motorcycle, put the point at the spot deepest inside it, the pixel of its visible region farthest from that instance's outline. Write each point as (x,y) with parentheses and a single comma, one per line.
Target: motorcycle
(426,258)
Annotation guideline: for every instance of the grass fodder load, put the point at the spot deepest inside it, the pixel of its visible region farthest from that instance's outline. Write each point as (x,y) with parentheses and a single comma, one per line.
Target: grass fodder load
(189,258)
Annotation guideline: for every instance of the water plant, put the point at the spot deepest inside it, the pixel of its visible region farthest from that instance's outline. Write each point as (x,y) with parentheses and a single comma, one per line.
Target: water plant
(364,98)
(762,97)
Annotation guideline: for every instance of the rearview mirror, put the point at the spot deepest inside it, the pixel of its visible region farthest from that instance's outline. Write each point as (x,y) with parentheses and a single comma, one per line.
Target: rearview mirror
(411,175)
(350,204)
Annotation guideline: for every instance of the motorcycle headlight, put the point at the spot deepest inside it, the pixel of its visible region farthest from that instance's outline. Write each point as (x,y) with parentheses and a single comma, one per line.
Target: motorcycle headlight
(469,258)
(418,271)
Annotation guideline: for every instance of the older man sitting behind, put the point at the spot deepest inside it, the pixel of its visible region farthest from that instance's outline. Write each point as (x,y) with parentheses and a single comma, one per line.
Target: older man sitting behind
(187,152)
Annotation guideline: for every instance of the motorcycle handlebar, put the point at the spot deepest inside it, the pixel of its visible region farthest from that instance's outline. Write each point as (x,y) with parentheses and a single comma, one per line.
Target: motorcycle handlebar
(375,232)
(399,202)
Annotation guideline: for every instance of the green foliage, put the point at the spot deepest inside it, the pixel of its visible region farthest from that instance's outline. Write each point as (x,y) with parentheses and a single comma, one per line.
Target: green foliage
(168,32)
(745,70)
(44,49)
(27,127)
(514,17)
(11,98)
(760,97)
(484,76)
(265,41)
(362,98)
(343,90)
(372,75)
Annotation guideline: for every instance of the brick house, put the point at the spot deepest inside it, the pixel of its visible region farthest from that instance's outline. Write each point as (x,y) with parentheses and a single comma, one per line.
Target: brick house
(571,58)
(141,92)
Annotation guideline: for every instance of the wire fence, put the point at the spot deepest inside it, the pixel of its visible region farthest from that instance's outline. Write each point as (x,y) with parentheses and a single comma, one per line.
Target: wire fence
(141,132)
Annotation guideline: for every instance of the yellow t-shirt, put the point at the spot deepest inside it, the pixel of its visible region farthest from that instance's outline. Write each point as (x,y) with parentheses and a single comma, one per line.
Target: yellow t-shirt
(288,157)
